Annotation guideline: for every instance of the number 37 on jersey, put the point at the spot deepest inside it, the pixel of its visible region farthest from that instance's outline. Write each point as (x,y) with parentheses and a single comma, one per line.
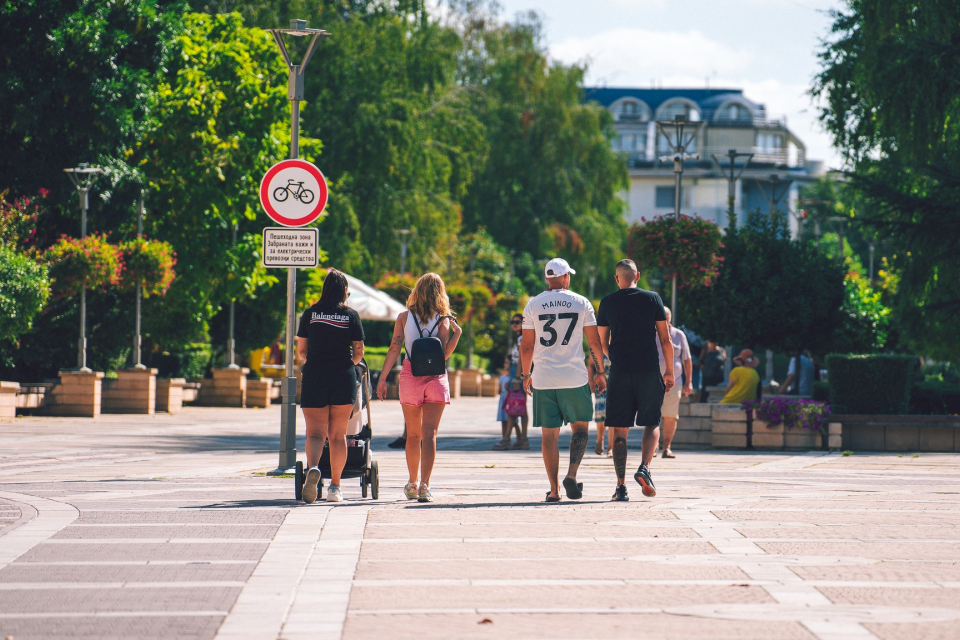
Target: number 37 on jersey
(566,323)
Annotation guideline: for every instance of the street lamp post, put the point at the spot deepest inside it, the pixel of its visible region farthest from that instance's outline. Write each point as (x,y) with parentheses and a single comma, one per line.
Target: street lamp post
(137,341)
(732,174)
(679,144)
(82,177)
(231,341)
(288,388)
(405,236)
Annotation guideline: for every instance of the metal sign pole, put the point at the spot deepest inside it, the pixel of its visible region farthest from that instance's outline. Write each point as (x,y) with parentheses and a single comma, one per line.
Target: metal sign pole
(288,388)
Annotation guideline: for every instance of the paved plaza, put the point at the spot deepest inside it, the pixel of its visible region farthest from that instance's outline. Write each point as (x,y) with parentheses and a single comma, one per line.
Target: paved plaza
(166,527)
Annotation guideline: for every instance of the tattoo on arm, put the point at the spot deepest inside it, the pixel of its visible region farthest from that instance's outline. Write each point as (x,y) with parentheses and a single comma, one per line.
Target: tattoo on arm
(620,457)
(578,445)
(596,362)
(398,341)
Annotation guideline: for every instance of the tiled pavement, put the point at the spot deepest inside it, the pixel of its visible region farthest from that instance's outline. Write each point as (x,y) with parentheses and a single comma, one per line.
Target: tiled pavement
(129,527)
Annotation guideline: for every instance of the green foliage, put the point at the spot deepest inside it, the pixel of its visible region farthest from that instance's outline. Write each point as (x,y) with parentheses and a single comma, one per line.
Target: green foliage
(18,222)
(871,384)
(688,247)
(866,320)
(934,397)
(191,362)
(888,81)
(551,182)
(149,264)
(398,286)
(24,290)
(821,391)
(771,292)
(89,262)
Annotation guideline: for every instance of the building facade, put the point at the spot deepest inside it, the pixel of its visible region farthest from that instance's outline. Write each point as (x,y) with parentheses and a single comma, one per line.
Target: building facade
(730,121)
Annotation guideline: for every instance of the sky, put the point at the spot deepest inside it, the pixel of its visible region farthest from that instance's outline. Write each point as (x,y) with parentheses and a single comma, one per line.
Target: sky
(768,48)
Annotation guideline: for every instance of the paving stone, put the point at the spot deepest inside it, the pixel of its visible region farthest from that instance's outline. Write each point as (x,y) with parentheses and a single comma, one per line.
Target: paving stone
(885,571)
(112,628)
(471,550)
(208,516)
(926,631)
(894,596)
(255,532)
(49,552)
(560,626)
(531,530)
(878,550)
(186,572)
(56,600)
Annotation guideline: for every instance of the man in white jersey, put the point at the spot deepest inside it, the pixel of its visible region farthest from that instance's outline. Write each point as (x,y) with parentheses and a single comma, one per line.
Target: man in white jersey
(554,324)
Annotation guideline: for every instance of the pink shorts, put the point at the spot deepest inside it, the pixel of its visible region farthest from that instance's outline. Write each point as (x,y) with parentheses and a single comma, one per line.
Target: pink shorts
(416,390)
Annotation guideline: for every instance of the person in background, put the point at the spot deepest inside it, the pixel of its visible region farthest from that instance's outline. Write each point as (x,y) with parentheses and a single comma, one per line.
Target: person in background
(422,398)
(711,365)
(330,342)
(600,409)
(744,383)
(696,344)
(670,412)
(805,383)
(511,365)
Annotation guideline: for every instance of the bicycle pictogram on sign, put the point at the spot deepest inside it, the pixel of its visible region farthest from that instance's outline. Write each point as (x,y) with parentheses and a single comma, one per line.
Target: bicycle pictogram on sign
(293,193)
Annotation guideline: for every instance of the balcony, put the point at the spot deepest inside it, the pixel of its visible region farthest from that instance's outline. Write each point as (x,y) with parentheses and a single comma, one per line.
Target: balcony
(777,157)
(757,122)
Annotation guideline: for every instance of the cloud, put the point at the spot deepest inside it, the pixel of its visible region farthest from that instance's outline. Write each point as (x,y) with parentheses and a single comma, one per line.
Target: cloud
(635,56)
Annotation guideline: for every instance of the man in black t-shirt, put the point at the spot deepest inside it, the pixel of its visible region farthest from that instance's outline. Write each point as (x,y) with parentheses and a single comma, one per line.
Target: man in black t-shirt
(630,321)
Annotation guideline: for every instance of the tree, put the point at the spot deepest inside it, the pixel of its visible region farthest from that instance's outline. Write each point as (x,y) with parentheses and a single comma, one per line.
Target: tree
(551,173)
(888,77)
(771,291)
(24,289)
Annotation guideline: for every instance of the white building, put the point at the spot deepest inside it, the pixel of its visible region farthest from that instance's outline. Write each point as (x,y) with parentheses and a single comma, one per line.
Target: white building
(730,121)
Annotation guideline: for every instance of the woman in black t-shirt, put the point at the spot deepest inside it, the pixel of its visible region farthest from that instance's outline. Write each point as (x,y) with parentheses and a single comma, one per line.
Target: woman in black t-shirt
(330,342)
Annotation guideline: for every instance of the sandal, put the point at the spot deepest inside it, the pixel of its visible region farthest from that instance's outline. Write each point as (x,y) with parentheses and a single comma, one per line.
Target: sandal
(521,445)
(501,446)
(573,488)
(598,449)
(668,454)
(552,498)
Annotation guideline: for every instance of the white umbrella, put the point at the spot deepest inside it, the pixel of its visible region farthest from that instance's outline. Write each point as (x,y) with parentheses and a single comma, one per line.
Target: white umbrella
(370,303)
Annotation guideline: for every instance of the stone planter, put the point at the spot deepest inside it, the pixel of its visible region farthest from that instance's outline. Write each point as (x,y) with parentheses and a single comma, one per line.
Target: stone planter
(170,394)
(8,400)
(227,388)
(835,436)
(489,386)
(78,394)
(728,427)
(766,437)
(693,426)
(133,391)
(800,438)
(471,381)
(454,377)
(258,392)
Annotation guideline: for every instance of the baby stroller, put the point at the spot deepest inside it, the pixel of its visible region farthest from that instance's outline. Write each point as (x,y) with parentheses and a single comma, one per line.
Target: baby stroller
(360,463)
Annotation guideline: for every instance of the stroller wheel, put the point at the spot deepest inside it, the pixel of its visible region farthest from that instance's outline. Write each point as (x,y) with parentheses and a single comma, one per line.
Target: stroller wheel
(364,479)
(374,481)
(298,481)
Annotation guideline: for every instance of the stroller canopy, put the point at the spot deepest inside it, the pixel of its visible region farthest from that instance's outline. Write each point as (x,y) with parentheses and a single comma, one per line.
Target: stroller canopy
(370,303)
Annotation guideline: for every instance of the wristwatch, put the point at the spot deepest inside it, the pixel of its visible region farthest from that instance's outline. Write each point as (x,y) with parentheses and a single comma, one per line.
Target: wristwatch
(525,377)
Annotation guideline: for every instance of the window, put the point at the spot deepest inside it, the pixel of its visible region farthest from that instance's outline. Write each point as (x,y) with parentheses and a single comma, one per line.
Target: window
(769,142)
(632,142)
(664,197)
(674,108)
(735,113)
(628,109)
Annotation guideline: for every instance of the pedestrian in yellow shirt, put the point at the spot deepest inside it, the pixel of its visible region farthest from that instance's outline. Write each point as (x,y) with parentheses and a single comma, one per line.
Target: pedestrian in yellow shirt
(744,380)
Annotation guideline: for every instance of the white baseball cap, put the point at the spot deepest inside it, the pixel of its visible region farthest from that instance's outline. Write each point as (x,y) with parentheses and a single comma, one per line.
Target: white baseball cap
(556,268)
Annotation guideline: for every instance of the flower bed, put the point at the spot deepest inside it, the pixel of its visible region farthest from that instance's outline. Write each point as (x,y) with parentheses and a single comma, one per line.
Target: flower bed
(792,413)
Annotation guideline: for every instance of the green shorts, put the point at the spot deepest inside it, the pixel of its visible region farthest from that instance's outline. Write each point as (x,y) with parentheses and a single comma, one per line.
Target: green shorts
(553,408)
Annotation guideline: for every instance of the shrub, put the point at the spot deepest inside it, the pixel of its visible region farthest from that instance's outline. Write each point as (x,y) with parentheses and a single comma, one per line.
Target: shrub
(397,285)
(73,261)
(821,391)
(24,290)
(794,413)
(191,362)
(872,384)
(688,247)
(933,397)
(148,263)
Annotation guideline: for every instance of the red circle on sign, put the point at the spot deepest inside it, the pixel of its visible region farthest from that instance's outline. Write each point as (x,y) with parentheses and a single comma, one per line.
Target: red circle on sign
(293,192)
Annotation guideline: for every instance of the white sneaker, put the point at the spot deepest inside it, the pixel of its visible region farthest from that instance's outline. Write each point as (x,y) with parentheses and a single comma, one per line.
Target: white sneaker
(310,485)
(424,494)
(410,490)
(333,494)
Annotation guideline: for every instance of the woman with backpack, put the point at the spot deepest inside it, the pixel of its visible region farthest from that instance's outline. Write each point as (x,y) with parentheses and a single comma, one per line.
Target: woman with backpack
(429,333)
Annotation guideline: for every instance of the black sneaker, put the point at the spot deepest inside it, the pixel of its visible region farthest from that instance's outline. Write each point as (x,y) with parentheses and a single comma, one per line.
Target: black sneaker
(642,476)
(620,495)
(399,443)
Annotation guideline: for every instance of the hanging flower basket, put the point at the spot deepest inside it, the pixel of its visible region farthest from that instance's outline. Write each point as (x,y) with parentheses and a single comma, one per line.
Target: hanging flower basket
(74,261)
(149,263)
(688,247)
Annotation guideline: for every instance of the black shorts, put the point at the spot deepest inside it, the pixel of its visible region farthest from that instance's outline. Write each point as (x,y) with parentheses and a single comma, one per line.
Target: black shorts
(323,388)
(634,399)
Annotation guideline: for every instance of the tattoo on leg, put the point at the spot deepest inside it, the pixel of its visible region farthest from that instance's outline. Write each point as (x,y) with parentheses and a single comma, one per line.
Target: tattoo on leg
(620,457)
(578,445)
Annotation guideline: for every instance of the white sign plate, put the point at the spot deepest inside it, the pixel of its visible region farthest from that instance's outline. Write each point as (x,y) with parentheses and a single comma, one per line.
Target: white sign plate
(286,247)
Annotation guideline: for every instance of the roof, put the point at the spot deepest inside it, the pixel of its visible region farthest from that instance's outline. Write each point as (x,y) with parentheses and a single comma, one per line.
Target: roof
(707,99)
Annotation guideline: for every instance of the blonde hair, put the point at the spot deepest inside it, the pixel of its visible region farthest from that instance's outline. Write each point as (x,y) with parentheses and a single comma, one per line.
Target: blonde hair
(429,297)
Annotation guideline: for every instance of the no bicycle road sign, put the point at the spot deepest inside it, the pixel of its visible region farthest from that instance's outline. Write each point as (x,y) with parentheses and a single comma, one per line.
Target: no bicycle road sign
(293,193)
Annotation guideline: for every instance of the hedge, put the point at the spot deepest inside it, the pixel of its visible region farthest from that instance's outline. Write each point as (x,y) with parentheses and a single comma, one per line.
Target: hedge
(871,384)
(935,397)
(189,363)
